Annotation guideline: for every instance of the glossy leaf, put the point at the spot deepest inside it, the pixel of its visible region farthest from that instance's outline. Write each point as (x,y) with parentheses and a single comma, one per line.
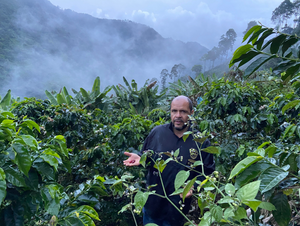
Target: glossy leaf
(188,187)
(256,65)
(249,191)
(239,53)
(282,214)
(50,157)
(211,149)
(276,43)
(91,212)
(267,206)
(140,199)
(271,177)
(51,98)
(217,213)
(290,105)
(242,165)
(251,30)
(22,158)
(229,189)
(2,185)
(181,177)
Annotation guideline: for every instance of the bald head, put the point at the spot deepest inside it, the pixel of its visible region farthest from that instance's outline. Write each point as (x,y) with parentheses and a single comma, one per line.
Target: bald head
(183,98)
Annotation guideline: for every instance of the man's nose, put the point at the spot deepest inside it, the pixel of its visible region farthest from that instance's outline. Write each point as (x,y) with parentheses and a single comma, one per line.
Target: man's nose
(178,114)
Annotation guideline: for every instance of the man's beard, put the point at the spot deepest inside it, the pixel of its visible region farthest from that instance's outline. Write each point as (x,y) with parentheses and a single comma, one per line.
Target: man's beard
(180,128)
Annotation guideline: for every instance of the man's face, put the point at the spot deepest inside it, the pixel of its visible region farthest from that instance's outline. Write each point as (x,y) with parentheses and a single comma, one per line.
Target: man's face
(179,113)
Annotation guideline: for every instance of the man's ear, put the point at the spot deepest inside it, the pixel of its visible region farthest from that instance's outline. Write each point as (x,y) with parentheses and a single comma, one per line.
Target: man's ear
(192,112)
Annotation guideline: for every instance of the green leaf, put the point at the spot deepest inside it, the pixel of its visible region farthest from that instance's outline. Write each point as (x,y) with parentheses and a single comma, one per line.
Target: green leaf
(62,143)
(276,43)
(186,135)
(239,52)
(176,153)
(22,158)
(261,40)
(247,57)
(251,173)
(90,211)
(267,206)
(251,30)
(244,164)
(290,105)
(254,204)
(202,204)
(200,140)
(211,149)
(60,99)
(15,177)
(151,224)
(85,95)
(271,177)
(2,185)
(240,213)
(140,199)
(29,140)
(96,87)
(255,35)
(181,177)
(5,102)
(217,213)
(249,191)
(256,65)
(50,157)
(188,188)
(290,72)
(51,98)
(288,43)
(45,169)
(31,124)
(228,213)
(160,165)
(271,150)
(143,159)
(80,219)
(67,96)
(282,214)
(229,189)
(226,199)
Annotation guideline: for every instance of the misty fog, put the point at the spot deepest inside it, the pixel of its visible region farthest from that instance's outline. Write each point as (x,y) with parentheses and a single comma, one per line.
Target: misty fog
(59,48)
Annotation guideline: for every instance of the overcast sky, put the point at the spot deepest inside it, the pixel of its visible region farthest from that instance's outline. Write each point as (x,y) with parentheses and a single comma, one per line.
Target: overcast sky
(202,21)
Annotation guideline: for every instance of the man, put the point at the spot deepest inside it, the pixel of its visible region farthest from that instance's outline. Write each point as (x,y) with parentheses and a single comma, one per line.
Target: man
(168,138)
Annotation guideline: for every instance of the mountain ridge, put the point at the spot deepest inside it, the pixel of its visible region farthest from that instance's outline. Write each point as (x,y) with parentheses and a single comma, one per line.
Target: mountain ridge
(51,48)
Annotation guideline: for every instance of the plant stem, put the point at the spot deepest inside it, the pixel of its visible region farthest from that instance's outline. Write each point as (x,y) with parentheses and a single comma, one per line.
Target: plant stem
(166,196)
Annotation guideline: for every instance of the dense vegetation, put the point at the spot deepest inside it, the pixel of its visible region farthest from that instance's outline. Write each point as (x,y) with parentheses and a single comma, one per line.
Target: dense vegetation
(61,158)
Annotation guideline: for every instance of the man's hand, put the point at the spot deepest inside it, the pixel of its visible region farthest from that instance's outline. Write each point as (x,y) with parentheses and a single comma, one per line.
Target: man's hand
(189,194)
(133,160)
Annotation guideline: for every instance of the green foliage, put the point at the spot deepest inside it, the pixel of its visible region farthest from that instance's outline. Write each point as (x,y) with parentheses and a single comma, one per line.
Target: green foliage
(138,101)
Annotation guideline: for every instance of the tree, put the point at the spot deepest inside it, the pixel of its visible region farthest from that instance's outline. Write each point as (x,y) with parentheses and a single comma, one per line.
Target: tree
(250,25)
(286,12)
(226,42)
(197,69)
(177,71)
(163,76)
(213,54)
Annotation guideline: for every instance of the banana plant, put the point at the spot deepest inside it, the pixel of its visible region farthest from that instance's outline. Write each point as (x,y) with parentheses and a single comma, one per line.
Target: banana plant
(89,100)
(6,101)
(138,101)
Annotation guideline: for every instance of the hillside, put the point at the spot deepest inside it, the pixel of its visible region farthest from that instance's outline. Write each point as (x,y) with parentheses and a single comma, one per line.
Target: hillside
(45,47)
